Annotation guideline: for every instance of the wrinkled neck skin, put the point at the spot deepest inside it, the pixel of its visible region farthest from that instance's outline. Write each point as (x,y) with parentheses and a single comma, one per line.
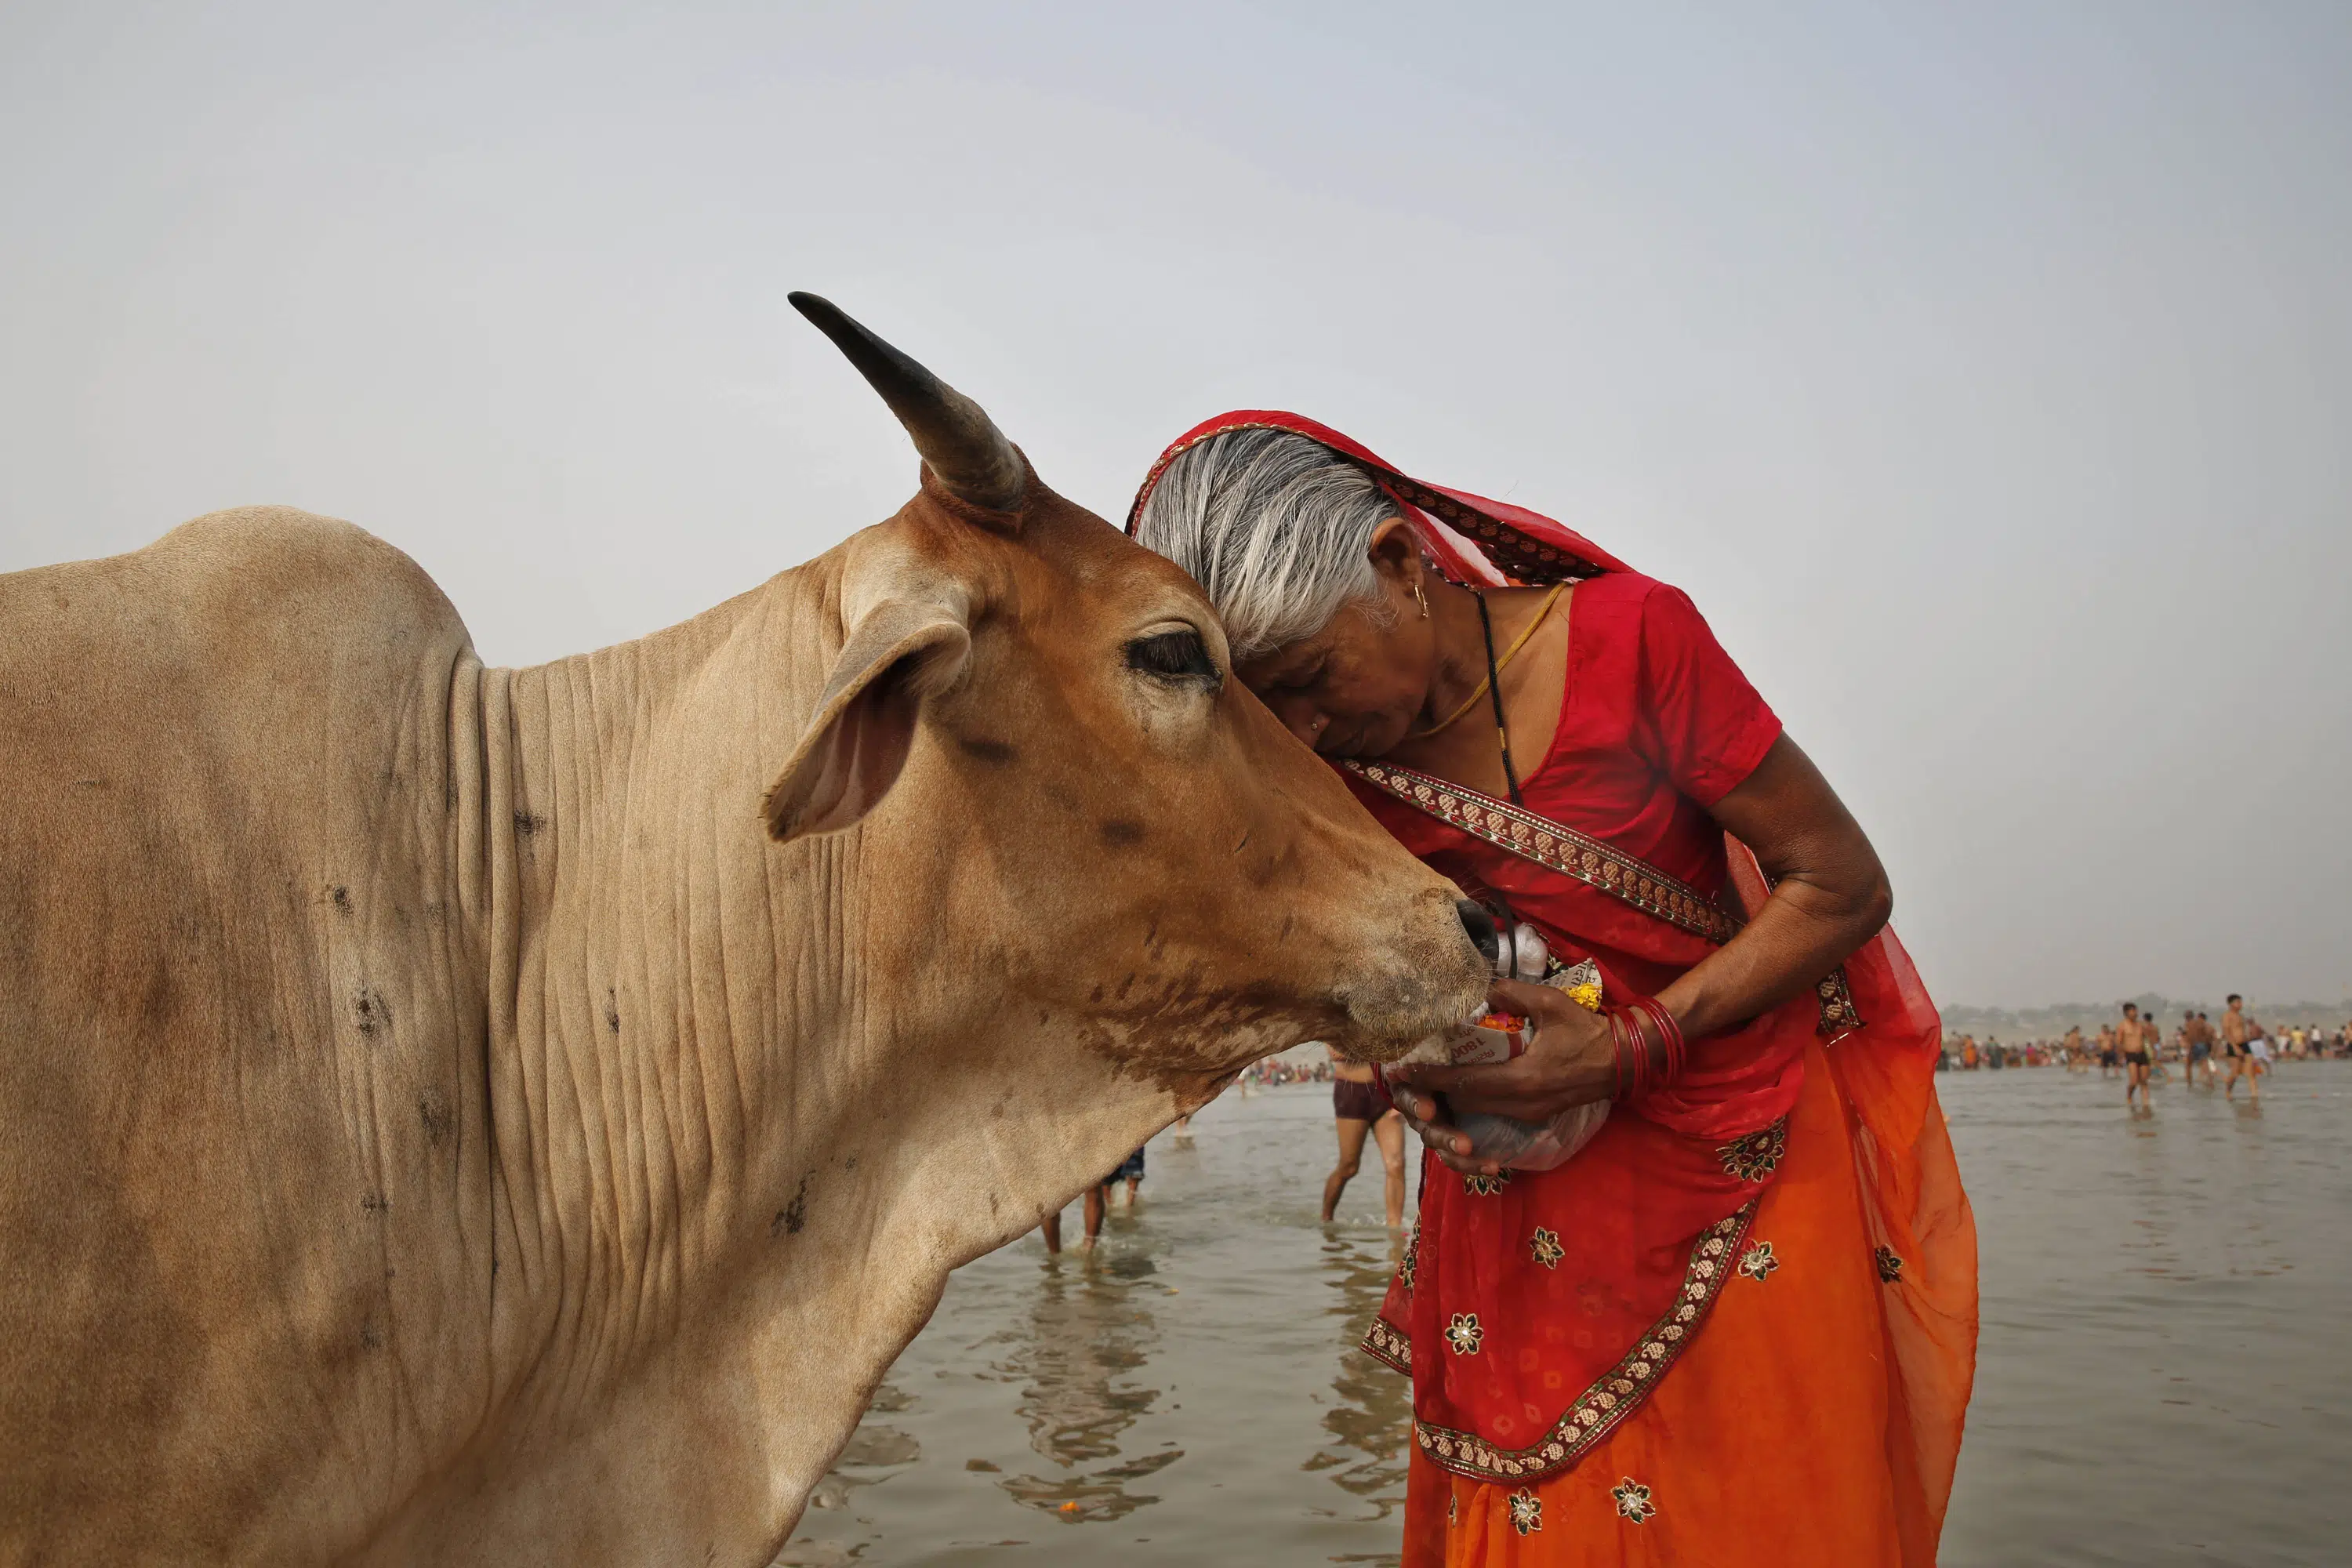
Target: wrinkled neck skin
(749,1103)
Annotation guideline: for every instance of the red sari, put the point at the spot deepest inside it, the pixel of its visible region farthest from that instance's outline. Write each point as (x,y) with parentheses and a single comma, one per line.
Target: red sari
(1739,1326)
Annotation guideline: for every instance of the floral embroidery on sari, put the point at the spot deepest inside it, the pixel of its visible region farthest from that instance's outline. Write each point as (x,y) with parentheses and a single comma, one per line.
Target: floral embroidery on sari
(1757,1262)
(1527,1512)
(1546,1247)
(1463,1332)
(1634,1499)
(1616,1395)
(1758,1156)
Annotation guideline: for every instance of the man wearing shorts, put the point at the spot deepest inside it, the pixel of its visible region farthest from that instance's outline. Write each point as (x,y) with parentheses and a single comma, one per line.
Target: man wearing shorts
(2135,1047)
(2198,1034)
(1360,1105)
(2238,1033)
(1130,1170)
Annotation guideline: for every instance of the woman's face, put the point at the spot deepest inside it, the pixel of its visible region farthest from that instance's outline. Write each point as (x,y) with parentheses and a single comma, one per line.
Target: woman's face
(1356,687)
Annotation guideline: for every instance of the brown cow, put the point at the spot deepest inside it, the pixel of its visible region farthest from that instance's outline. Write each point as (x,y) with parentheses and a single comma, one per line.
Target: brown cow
(465,1115)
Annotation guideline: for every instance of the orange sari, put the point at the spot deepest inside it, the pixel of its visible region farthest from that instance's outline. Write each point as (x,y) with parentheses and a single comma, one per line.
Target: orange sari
(1817,1417)
(1814,1414)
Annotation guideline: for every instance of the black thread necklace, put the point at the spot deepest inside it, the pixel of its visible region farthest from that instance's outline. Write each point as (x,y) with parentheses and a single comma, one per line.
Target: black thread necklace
(1494,690)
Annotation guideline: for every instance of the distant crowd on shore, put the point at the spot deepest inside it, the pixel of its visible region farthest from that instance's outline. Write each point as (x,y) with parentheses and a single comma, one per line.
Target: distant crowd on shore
(1964,1052)
(2138,1049)
(1275,1071)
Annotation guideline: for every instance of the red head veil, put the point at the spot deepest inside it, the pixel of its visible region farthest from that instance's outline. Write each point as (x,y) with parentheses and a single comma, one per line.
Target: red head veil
(1468,538)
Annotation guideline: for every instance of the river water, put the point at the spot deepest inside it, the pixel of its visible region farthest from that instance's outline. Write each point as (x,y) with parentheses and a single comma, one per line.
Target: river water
(2165,1372)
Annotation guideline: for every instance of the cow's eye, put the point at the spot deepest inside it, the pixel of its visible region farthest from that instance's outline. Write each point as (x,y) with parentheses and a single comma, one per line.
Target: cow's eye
(1173,656)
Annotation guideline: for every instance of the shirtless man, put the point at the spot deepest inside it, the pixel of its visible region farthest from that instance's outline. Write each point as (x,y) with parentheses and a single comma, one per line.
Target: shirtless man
(1359,1107)
(2136,1046)
(2198,1035)
(2238,1033)
(2108,1058)
(2075,1051)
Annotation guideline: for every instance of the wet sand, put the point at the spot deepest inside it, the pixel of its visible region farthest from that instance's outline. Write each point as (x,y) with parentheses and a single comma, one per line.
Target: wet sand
(2163,1377)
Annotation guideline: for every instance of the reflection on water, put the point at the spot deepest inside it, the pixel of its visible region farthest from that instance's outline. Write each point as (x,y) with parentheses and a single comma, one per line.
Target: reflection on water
(2160,1372)
(1162,1396)
(2161,1379)
(1369,1424)
(1084,1345)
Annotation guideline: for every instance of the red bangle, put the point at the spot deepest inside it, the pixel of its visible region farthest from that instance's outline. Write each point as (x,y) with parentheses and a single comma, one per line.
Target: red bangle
(1670,1036)
(1633,1072)
(1625,1054)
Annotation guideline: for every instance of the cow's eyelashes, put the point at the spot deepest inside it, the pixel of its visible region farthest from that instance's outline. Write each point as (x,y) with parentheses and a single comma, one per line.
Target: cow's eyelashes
(1173,656)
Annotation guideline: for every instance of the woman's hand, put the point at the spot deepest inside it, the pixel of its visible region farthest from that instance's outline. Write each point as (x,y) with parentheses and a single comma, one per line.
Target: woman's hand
(1427,1115)
(1570,1061)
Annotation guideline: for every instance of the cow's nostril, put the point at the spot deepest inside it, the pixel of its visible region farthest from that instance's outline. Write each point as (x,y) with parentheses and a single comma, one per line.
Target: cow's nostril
(1480,927)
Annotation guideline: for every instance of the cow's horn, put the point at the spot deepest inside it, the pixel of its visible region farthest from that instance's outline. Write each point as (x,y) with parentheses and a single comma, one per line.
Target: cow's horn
(959,442)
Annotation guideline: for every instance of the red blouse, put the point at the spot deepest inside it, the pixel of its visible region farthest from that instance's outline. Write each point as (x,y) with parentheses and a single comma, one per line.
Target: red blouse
(1657,725)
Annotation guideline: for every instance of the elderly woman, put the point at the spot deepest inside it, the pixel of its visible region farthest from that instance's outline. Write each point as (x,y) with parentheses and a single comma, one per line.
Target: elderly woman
(1739,1324)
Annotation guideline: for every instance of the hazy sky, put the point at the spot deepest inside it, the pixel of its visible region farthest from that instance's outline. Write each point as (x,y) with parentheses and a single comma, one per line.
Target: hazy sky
(1985,372)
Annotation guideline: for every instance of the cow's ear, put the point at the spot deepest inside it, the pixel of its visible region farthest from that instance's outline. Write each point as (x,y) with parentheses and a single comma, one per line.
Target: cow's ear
(902,651)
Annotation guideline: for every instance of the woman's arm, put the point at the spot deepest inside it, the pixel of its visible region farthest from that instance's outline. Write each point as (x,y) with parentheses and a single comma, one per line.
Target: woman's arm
(1830,895)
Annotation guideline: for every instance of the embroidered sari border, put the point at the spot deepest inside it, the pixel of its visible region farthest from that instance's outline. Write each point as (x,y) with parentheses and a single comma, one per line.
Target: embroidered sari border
(1387,1343)
(1555,847)
(1524,558)
(1602,867)
(1613,1396)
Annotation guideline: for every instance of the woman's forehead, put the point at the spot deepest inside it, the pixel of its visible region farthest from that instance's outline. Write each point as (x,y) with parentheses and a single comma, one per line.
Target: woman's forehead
(1290,658)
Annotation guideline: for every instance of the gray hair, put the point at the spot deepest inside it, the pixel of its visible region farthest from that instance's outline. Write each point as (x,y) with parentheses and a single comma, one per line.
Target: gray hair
(1276,527)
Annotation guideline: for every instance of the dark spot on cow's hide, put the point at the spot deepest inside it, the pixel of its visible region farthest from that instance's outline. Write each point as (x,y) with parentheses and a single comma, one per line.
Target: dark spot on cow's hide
(89,783)
(850,1163)
(158,998)
(438,1119)
(611,1012)
(793,1215)
(376,1203)
(343,897)
(527,823)
(371,1337)
(1120,831)
(996,753)
(372,1011)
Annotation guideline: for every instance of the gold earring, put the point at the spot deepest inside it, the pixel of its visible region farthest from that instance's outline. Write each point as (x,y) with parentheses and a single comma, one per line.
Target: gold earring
(1419,598)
